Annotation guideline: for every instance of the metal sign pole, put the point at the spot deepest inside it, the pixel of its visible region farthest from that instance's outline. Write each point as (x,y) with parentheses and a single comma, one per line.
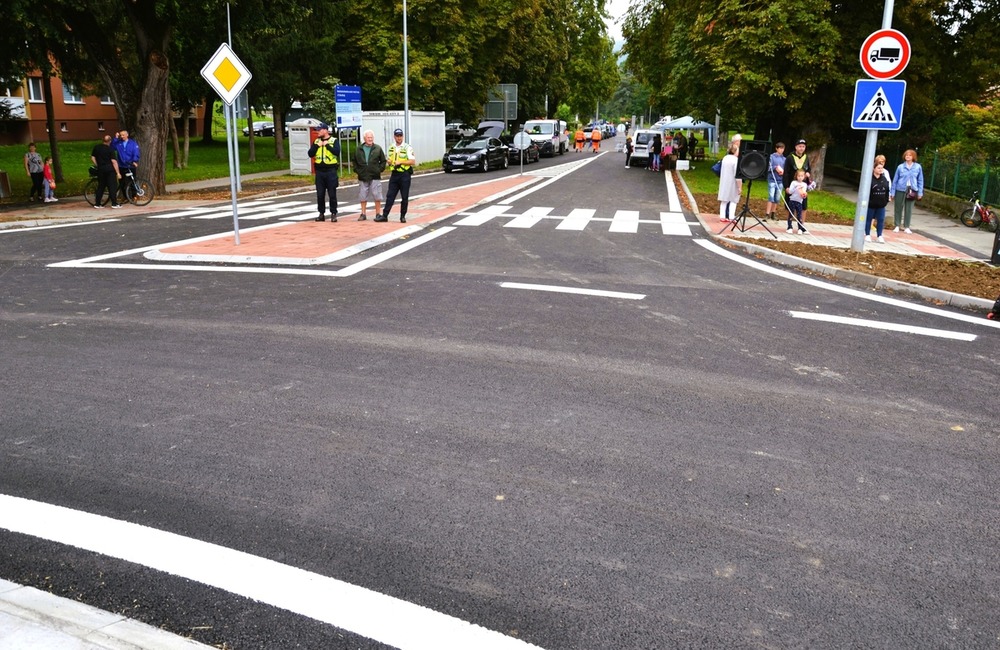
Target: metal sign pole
(231,118)
(868,164)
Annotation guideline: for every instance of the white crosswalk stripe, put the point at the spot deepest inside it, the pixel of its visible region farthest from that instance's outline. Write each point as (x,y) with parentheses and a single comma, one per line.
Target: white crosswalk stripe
(625,221)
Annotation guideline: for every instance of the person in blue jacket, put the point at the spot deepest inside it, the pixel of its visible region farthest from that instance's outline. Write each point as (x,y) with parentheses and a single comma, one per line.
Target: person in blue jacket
(907,186)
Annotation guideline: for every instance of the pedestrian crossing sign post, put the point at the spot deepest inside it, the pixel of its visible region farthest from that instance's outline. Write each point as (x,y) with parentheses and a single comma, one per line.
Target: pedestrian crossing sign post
(878,104)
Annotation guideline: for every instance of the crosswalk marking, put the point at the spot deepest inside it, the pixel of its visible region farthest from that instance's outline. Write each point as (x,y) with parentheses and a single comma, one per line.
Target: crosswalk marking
(625,221)
(674,223)
(577,219)
(484,215)
(529,218)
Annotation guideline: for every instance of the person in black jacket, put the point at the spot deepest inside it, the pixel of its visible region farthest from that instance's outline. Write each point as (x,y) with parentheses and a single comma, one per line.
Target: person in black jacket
(324,152)
(794,161)
(878,198)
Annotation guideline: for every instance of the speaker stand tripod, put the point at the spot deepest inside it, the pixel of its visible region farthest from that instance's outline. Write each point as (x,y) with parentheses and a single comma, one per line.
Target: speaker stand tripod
(739,222)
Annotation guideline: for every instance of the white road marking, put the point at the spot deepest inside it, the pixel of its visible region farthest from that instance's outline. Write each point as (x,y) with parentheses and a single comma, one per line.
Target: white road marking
(570,168)
(5,231)
(886,300)
(625,221)
(673,200)
(674,223)
(577,220)
(529,218)
(574,290)
(361,611)
(482,216)
(393,252)
(892,327)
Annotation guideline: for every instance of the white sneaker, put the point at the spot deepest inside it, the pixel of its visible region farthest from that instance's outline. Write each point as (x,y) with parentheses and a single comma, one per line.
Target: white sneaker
(896,229)
(98,207)
(881,240)
(908,231)
(54,199)
(790,231)
(868,237)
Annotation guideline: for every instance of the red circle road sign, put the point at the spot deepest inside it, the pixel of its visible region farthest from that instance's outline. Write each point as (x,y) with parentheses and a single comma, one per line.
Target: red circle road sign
(885,54)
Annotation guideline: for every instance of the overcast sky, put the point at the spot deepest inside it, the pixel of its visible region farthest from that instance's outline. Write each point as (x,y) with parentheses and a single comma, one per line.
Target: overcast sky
(616,10)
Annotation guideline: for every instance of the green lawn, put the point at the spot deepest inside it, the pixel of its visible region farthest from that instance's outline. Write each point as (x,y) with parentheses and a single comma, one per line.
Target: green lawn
(701,180)
(206,160)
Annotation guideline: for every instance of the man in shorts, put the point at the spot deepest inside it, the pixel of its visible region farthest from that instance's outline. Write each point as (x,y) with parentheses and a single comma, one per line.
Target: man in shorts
(775,181)
(370,161)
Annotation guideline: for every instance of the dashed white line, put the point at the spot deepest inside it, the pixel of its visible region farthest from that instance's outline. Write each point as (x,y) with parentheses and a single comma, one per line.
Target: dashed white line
(892,327)
(574,290)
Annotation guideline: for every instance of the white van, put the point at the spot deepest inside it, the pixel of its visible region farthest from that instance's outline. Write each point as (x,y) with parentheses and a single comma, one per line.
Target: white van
(642,140)
(549,135)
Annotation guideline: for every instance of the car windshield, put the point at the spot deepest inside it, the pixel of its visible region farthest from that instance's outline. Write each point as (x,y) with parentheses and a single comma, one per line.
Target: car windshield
(537,129)
(480,143)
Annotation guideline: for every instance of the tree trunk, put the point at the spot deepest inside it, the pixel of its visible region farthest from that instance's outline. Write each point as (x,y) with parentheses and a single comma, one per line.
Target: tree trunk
(187,136)
(175,144)
(207,119)
(50,121)
(279,129)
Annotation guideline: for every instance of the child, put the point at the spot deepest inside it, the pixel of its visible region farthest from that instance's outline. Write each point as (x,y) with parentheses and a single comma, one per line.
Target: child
(774,181)
(797,193)
(50,181)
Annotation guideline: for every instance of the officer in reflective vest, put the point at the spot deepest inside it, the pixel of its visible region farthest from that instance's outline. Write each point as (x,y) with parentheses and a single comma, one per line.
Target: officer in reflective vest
(324,152)
(401,162)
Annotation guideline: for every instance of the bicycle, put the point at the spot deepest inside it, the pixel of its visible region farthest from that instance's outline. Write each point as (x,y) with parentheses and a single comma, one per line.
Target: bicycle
(979,214)
(137,191)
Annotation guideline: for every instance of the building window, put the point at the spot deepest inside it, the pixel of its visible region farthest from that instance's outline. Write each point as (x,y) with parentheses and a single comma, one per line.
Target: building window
(100,126)
(71,95)
(35,89)
(63,127)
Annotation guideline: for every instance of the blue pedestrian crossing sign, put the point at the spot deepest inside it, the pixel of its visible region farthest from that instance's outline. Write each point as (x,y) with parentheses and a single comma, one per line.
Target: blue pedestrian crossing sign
(878,104)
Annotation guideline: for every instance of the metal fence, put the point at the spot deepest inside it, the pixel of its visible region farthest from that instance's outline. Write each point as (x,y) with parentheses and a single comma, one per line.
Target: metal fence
(952,176)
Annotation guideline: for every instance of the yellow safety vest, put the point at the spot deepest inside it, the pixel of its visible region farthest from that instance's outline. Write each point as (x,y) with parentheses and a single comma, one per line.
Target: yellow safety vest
(324,154)
(402,152)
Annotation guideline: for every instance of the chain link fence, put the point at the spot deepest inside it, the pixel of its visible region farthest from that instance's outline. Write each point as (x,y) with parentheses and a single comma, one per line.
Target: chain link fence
(947,175)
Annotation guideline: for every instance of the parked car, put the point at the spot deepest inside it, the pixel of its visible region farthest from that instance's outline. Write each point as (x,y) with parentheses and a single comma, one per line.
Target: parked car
(479,152)
(454,130)
(642,139)
(532,153)
(264,129)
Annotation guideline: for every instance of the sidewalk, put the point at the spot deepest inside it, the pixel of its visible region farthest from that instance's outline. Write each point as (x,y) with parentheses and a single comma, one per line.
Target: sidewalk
(932,235)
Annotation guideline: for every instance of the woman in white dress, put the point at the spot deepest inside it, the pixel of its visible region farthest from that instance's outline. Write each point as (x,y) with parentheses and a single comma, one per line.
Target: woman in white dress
(730,187)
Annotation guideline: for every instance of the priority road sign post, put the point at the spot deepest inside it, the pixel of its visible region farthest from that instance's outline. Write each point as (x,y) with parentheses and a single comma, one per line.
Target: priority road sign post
(227,75)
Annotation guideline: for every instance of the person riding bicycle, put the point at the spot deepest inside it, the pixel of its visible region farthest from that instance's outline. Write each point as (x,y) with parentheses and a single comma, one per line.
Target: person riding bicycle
(128,157)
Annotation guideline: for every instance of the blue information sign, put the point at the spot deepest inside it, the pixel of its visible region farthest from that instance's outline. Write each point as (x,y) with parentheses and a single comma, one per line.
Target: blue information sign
(348,103)
(878,104)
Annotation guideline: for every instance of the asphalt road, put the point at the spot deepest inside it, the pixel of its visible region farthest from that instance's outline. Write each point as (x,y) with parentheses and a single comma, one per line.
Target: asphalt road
(700,466)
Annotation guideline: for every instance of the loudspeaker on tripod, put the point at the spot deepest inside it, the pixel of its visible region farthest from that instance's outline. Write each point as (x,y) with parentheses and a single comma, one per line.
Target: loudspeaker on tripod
(752,163)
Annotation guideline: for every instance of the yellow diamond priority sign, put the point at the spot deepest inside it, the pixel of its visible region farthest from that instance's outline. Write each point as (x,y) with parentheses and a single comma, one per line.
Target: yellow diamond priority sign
(226,74)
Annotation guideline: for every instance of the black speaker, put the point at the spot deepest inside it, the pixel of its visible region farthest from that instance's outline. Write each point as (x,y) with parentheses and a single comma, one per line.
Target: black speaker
(752,163)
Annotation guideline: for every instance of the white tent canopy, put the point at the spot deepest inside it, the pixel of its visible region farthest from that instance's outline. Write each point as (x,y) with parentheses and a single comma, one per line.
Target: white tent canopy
(688,123)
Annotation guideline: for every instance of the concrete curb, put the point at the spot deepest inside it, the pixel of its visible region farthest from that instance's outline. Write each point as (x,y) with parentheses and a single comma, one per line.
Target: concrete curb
(854,277)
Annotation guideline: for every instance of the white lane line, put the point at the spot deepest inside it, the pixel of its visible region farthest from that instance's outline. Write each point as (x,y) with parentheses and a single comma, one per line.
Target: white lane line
(574,290)
(529,218)
(362,611)
(673,200)
(674,223)
(577,220)
(5,231)
(538,186)
(393,252)
(873,297)
(892,327)
(625,221)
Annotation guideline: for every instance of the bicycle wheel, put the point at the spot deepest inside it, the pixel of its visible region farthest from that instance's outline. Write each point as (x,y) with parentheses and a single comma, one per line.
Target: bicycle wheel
(139,192)
(90,193)
(971,218)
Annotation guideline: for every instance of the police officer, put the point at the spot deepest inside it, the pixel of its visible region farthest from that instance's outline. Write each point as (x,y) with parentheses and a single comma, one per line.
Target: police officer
(324,152)
(401,162)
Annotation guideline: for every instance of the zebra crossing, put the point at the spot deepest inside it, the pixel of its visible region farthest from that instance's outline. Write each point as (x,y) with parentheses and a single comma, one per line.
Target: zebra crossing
(251,211)
(670,221)
(577,219)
